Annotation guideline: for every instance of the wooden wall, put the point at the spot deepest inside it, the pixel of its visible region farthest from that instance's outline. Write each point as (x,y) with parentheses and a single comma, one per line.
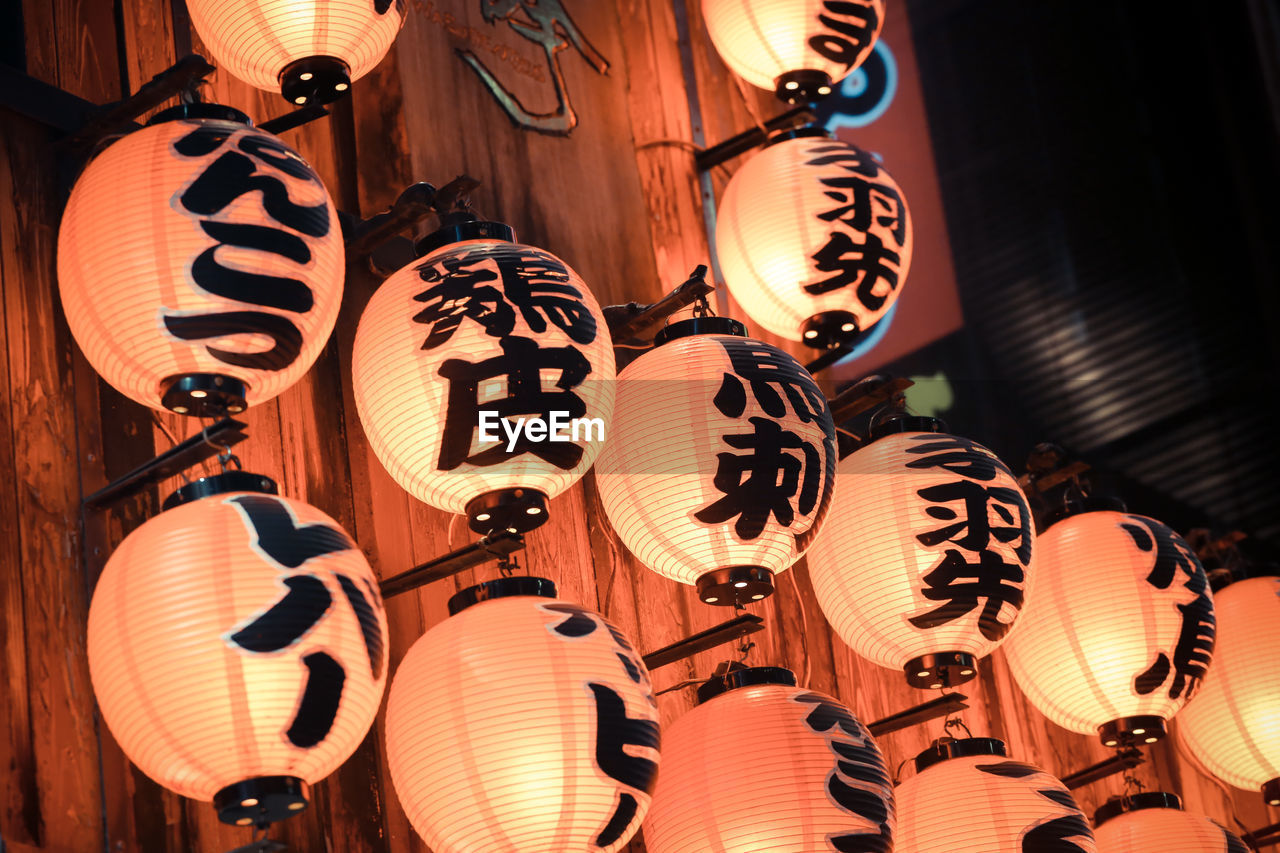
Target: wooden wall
(618,199)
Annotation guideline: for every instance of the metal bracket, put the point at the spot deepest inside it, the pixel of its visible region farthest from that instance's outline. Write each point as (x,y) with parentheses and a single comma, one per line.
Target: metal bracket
(492,547)
(1124,759)
(947,703)
(630,321)
(117,117)
(296,118)
(415,205)
(865,394)
(186,454)
(1265,837)
(743,142)
(726,632)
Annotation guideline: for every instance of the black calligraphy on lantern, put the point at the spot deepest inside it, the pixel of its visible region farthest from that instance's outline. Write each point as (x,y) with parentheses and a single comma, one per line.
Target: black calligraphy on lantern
(849,28)
(783,476)
(1068,833)
(615,730)
(1184,669)
(254,164)
(859,783)
(281,541)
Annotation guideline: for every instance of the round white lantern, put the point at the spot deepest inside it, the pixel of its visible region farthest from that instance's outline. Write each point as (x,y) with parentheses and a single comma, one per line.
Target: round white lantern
(1154,821)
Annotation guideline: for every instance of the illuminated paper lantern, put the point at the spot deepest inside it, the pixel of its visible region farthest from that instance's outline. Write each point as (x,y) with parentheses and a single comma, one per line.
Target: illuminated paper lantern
(522,724)
(465,345)
(306,49)
(968,797)
(764,765)
(1154,821)
(237,646)
(1232,725)
(923,564)
(720,462)
(1120,631)
(797,48)
(200,263)
(814,239)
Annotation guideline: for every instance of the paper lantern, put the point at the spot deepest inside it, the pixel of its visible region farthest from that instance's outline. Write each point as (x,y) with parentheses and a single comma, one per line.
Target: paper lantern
(721,460)
(483,375)
(968,797)
(768,766)
(200,263)
(237,646)
(1154,821)
(522,724)
(797,48)
(814,239)
(309,50)
(1232,725)
(924,561)
(1120,631)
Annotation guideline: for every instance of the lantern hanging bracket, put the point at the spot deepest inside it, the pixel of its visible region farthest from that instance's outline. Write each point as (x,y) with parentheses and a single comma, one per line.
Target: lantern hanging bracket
(741,143)
(214,440)
(631,321)
(831,356)
(418,202)
(1122,762)
(1268,836)
(294,119)
(496,546)
(726,632)
(943,706)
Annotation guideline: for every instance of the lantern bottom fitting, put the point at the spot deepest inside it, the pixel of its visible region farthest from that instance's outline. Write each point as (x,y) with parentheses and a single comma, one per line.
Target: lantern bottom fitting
(512,510)
(203,395)
(260,800)
(315,80)
(1132,731)
(830,330)
(802,87)
(941,669)
(736,585)
(1271,792)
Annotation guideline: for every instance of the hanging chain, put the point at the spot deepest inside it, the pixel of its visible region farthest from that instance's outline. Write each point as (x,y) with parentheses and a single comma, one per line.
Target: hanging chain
(225,457)
(954,722)
(508,565)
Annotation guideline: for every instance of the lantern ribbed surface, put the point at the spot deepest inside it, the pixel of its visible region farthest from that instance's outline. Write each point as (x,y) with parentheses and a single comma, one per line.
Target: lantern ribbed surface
(523,725)
(482,326)
(1165,830)
(918,519)
(694,418)
(1233,724)
(770,768)
(988,804)
(200,246)
(809,226)
(256,39)
(1121,623)
(760,40)
(238,636)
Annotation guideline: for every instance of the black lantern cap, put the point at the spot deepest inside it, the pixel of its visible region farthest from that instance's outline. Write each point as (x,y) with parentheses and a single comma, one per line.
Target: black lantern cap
(941,669)
(898,423)
(830,330)
(198,110)
(315,80)
(807,131)
(509,510)
(219,484)
(699,326)
(1271,792)
(805,86)
(945,750)
(1117,806)
(734,586)
(465,229)
(501,588)
(1080,505)
(260,800)
(1132,731)
(204,395)
(745,677)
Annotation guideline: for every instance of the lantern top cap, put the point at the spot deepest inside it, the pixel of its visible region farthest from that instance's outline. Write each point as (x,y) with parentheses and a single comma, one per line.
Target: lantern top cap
(1079,506)
(457,232)
(182,112)
(900,423)
(945,750)
(1117,806)
(220,484)
(501,588)
(699,326)
(808,131)
(745,677)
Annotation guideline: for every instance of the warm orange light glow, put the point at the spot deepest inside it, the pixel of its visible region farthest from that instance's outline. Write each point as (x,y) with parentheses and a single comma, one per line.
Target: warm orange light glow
(523,724)
(200,247)
(256,39)
(900,533)
(814,227)
(1121,624)
(482,325)
(668,478)
(1165,829)
(986,803)
(770,767)
(1233,724)
(241,635)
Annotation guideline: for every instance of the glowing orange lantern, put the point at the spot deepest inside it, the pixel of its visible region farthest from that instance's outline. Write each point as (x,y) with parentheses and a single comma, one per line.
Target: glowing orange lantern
(968,797)
(1232,725)
(814,239)
(798,48)
(720,462)
(1120,631)
(483,376)
(923,562)
(200,263)
(305,49)
(762,765)
(1154,820)
(237,645)
(522,724)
